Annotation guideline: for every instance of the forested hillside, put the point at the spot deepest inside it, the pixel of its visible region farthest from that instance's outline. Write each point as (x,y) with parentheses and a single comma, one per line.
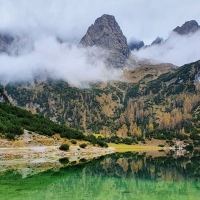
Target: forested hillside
(14,120)
(160,105)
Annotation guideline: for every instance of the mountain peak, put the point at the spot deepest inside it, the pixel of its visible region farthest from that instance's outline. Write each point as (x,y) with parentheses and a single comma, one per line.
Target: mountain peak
(106,33)
(187,28)
(157,41)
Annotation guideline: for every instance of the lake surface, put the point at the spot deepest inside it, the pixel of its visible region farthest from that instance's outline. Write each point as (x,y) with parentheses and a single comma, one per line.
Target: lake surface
(120,176)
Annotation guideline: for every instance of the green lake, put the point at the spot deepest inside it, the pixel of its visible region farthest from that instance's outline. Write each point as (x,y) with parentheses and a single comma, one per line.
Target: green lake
(120,176)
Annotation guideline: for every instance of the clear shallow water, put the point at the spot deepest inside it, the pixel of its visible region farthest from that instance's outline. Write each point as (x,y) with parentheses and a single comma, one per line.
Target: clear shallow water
(115,177)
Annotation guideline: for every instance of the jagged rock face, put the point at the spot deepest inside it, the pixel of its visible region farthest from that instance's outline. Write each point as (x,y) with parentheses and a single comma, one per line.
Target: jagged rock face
(187,28)
(5,42)
(106,33)
(157,41)
(136,45)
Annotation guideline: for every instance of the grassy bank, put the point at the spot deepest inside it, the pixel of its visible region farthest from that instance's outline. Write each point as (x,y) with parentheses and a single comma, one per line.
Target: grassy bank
(125,147)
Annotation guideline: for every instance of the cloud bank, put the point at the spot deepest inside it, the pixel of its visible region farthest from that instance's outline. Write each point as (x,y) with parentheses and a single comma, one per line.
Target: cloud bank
(41,22)
(178,50)
(69,19)
(59,60)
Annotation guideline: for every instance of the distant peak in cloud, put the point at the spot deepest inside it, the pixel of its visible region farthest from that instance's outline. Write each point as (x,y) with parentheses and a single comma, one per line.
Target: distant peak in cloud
(187,28)
(106,33)
(135,44)
(157,41)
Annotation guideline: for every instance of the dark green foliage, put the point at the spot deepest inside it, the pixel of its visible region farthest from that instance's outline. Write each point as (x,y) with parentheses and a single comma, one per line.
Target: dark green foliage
(83,145)
(64,161)
(73,141)
(189,147)
(64,147)
(13,120)
(71,103)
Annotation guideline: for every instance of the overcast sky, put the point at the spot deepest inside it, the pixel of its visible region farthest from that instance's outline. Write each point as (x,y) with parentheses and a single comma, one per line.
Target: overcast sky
(40,22)
(69,19)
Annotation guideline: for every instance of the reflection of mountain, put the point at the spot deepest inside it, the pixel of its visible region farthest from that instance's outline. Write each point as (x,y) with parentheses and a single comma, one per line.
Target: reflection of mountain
(118,176)
(142,167)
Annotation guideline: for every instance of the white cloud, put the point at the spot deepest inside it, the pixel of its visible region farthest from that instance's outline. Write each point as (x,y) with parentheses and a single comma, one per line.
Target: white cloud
(42,21)
(177,50)
(69,62)
(69,19)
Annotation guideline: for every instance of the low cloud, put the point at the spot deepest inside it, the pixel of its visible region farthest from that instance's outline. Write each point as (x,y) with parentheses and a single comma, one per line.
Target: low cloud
(46,55)
(177,50)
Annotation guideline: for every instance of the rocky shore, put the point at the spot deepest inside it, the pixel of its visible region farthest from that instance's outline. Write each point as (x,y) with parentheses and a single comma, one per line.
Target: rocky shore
(33,153)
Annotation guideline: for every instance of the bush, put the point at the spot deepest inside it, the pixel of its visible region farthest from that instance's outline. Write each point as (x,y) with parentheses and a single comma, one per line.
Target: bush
(73,141)
(83,145)
(10,136)
(189,147)
(64,161)
(64,147)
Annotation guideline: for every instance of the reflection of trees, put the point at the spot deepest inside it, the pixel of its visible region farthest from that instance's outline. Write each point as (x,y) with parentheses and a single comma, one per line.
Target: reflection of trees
(118,176)
(140,166)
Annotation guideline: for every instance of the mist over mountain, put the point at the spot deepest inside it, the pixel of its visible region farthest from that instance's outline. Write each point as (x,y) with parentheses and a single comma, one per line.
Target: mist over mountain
(99,85)
(188,27)
(182,46)
(30,43)
(135,44)
(106,33)
(157,41)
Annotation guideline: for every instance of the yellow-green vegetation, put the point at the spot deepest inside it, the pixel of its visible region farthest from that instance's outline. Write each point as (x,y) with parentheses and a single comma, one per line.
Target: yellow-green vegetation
(14,120)
(125,147)
(162,104)
(98,135)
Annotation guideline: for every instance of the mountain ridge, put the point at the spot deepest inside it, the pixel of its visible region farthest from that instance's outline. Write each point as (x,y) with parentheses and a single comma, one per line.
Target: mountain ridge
(106,33)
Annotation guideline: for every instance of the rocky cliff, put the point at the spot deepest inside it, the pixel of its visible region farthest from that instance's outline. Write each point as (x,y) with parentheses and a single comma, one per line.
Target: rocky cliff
(157,41)
(106,33)
(187,28)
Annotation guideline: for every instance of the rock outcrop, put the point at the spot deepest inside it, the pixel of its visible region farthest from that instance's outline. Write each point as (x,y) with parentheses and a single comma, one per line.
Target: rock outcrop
(157,41)
(106,33)
(5,42)
(3,45)
(136,44)
(188,27)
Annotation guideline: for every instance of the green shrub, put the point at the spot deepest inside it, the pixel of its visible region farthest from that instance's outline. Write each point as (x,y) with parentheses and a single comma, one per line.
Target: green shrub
(64,161)
(64,147)
(10,136)
(73,141)
(83,145)
(189,147)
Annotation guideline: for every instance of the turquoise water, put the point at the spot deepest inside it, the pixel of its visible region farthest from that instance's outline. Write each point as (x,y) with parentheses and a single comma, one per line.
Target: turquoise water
(114,177)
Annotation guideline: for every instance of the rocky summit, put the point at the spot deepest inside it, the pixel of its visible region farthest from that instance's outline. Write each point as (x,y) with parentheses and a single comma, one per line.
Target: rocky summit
(106,33)
(187,28)
(157,41)
(3,44)
(136,44)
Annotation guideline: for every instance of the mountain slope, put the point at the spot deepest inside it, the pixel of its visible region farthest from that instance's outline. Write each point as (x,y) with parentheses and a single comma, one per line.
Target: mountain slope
(163,106)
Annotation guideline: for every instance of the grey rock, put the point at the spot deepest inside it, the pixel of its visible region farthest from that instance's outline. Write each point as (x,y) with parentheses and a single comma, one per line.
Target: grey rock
(187,28)
(106,33)
(3,45)
(136,44)
(5,42)
(157,41)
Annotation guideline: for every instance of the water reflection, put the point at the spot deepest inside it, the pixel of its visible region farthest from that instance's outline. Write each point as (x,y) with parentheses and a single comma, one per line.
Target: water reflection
(118,176)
